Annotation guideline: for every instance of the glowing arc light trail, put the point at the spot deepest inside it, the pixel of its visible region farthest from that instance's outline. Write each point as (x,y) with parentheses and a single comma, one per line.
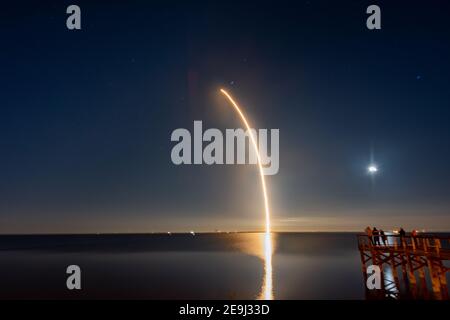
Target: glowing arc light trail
(261,171)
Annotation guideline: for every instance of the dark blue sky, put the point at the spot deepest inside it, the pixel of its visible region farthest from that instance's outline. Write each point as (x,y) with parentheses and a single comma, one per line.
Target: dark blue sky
(86,116)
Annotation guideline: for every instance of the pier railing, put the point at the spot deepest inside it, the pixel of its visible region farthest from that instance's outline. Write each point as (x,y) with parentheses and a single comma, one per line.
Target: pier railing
(421,244)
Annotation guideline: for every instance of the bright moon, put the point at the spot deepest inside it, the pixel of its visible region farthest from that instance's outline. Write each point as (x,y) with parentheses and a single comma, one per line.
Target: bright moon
(372,169)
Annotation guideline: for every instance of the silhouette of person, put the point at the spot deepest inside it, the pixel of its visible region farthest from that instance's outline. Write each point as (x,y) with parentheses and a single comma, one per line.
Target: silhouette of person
(376,236)
(402,233)
(383,237)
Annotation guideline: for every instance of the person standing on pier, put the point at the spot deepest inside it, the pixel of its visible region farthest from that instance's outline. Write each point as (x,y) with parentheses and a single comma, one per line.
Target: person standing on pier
(402,234)
(376,236)
(383,237)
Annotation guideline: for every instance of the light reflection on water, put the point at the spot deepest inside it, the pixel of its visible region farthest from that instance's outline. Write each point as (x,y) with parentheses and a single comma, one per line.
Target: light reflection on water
(267,289)
(261,245)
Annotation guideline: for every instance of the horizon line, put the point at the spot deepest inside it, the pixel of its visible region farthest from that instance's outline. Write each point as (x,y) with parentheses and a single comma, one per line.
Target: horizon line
(190,232)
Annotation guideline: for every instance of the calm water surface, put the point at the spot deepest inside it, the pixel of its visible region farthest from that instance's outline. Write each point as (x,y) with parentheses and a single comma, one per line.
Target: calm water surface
(181,266)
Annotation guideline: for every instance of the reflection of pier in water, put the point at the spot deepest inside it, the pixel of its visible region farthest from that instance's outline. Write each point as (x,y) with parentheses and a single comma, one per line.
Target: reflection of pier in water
(409,266)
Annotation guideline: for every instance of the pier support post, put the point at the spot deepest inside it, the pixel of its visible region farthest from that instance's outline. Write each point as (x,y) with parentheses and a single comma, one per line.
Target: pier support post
(411,276)
(394,270)
(442,279)
(435,279)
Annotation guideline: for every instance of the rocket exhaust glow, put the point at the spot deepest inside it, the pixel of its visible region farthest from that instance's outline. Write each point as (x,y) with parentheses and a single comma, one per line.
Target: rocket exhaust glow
(261,171)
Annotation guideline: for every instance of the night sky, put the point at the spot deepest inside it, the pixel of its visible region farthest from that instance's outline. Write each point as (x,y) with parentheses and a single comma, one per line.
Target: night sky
(86,116)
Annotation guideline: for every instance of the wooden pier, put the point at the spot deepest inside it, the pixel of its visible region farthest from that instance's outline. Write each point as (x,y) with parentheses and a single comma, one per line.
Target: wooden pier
(412,267)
